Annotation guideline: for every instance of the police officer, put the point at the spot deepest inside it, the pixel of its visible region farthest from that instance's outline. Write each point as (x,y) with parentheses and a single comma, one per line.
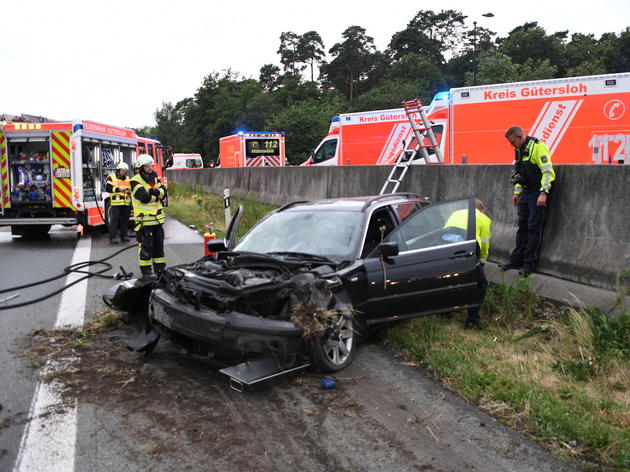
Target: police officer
(532,177)
(147,194)
(483,223)
(119,190)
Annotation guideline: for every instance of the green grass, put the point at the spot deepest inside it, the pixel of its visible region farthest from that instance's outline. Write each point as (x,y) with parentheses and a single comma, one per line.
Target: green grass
(205,209)
(558,374)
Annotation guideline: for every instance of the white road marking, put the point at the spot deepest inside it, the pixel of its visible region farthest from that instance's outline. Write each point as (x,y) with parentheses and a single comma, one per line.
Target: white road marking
(48,441)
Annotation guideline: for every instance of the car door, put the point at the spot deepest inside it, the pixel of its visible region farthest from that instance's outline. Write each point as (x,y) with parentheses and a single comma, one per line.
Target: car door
(435,269)
(230,234)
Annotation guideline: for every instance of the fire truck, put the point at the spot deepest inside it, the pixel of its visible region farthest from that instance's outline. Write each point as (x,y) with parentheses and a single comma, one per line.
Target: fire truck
(583,120)
(55,172)
(252,149)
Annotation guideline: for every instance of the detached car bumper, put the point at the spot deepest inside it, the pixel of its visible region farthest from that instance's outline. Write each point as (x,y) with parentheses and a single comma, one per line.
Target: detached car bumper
(232,334)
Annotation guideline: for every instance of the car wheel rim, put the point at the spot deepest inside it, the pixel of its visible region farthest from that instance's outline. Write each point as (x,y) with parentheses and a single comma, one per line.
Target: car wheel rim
(338,343)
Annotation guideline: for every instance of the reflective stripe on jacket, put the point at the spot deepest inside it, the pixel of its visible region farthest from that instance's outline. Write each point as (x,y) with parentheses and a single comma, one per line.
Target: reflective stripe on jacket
(114,187)
(149,212)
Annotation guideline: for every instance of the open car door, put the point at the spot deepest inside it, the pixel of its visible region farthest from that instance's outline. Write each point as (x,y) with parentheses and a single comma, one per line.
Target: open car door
(230,234)
(435,268)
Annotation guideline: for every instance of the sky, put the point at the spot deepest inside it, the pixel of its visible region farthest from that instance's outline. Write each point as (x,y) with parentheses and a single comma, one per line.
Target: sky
(117,61)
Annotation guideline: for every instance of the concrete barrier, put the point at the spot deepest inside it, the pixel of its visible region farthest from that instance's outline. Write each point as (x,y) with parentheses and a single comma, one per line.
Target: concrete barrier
(586,239)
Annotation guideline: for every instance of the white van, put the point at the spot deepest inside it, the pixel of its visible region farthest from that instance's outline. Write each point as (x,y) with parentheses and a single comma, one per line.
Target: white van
(187,161)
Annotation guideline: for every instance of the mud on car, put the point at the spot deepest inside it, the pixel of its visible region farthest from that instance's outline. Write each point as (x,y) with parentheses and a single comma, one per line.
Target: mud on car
(306,281)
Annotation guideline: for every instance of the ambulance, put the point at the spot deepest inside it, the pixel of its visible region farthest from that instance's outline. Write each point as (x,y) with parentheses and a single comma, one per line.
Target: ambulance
(187,161)
(583,120)
(252,149)
(55,172)
(368,138)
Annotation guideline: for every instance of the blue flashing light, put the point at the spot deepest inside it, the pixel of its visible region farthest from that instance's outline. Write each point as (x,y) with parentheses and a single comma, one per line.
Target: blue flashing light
(283,133)
(441,96)
(77,127)
(240,132)
(335,118)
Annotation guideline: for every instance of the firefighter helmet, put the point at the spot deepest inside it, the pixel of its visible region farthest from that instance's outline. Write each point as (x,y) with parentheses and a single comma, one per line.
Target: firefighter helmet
(144,160)
(122,165)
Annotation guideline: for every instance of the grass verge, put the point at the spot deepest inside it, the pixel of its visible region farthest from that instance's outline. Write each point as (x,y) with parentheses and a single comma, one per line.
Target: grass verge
(200,209)
(559,374)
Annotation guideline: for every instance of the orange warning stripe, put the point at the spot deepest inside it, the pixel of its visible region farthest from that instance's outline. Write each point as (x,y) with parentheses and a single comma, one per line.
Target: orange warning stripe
(62,186)
(4,172)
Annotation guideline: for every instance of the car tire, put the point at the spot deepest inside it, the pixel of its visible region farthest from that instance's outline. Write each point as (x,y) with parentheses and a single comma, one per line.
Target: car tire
(335,348)
(107,216)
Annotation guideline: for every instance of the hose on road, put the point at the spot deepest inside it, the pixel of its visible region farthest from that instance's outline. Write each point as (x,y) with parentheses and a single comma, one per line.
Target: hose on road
(79,267)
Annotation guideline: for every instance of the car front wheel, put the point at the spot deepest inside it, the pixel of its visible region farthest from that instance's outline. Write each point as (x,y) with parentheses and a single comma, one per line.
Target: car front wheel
(335,348)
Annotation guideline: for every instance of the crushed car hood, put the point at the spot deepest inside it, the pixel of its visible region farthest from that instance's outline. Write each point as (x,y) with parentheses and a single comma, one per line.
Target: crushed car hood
(254,284)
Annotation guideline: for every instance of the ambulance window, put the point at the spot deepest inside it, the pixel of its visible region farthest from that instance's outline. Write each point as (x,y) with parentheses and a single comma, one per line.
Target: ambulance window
(141,148)
(150,149)
(326,151)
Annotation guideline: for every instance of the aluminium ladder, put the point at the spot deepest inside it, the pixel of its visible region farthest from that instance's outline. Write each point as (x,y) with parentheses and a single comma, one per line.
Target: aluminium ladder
(400,167)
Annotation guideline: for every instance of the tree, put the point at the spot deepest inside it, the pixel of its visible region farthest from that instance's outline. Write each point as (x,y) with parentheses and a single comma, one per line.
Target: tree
(492,68)
(497,68)
(269,77)
(305,124)
(311,49)
(169,124)
(289,51)
(615,51)
(429,34)
(352,60)
(531,41)
(390,94)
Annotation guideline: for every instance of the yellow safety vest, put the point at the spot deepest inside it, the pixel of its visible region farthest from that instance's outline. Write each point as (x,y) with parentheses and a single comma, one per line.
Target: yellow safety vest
(147,214)
(459,219)
(118,198)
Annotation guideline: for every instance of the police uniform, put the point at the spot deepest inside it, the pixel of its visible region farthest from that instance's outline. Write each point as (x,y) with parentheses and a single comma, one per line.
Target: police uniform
(147,194)
(483,224)
(533,175)
(120,203)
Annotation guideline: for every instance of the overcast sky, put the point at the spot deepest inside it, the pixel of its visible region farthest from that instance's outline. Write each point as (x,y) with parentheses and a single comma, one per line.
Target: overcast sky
(116,61)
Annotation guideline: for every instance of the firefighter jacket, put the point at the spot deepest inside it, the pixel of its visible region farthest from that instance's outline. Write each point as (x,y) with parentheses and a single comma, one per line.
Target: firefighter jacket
(116,187)
(459,219)
(532,167)
(147,194)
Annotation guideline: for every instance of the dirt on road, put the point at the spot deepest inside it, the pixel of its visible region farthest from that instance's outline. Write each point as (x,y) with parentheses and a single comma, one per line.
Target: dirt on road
(173,413)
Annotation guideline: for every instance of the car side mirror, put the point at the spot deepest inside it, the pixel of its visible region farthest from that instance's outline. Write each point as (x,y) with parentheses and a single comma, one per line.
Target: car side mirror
(388,249)
(216,245)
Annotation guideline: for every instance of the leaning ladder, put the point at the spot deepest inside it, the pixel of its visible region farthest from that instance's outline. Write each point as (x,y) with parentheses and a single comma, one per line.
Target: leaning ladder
(400,167)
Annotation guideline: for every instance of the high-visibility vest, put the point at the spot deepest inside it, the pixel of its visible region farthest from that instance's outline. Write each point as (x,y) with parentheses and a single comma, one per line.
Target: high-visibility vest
(147,214)
(459,219)
(118,197)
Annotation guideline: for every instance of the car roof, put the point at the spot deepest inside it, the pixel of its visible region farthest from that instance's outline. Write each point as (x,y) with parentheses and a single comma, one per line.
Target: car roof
(353,203)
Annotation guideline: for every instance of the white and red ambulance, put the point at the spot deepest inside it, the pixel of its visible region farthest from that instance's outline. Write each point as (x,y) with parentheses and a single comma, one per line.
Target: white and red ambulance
(583,120)
(367,138)
(252,149)
(55,172)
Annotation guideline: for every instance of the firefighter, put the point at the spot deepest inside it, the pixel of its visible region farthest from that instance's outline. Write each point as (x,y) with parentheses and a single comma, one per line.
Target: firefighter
(147,194)
(459,221)
(120,203)
(532,177)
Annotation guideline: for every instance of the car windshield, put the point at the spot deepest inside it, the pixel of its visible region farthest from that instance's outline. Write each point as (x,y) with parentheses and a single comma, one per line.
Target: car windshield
(331,234)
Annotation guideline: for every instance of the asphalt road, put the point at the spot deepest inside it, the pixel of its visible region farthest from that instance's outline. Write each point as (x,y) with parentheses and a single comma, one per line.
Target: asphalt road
(171,413)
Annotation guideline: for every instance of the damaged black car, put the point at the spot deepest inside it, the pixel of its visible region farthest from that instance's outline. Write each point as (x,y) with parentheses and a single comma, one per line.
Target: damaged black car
(309,279)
